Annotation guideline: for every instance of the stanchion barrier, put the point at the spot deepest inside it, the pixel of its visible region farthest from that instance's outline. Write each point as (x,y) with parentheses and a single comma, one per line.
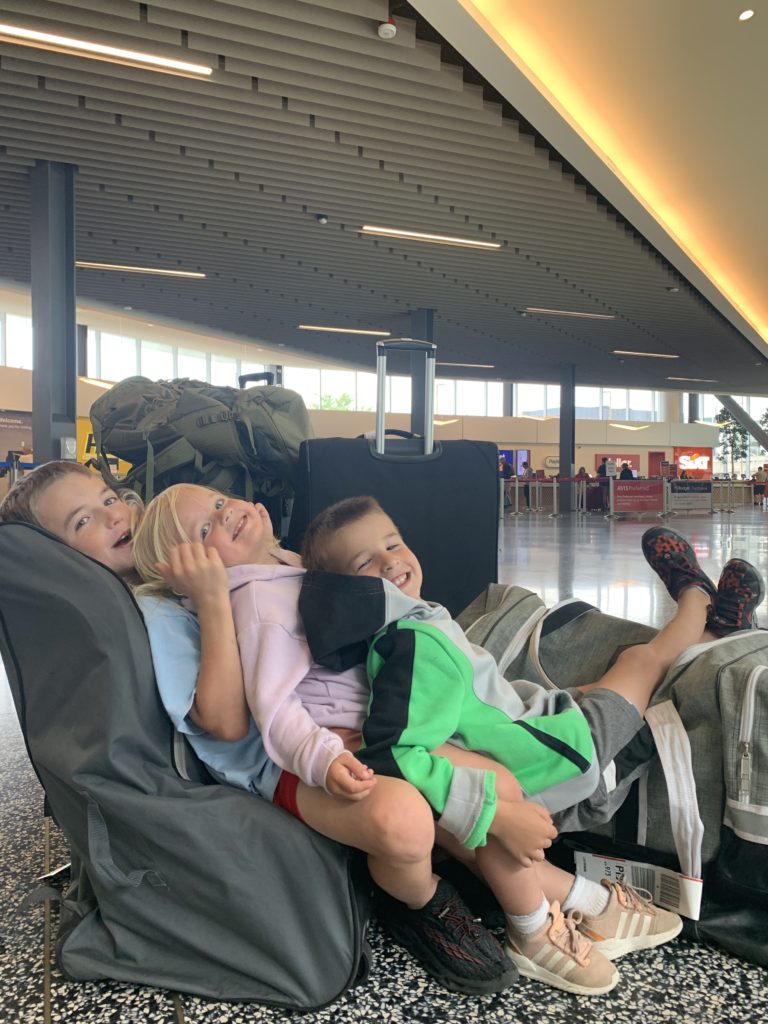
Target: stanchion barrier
(725,492)
(554,514)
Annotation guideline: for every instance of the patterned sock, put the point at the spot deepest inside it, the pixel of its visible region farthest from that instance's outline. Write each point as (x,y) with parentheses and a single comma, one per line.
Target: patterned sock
(527,924)
(588,897)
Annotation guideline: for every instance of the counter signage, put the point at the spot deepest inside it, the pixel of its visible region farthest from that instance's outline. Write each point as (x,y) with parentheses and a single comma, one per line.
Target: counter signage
(638,496)
(690,496)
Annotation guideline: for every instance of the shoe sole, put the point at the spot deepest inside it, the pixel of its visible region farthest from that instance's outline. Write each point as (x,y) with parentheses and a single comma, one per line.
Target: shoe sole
(612,949)
(462,986)
(528,969)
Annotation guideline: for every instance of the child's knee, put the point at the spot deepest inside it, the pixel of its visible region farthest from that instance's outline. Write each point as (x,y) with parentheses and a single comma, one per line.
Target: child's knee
(507,786)
(404,824)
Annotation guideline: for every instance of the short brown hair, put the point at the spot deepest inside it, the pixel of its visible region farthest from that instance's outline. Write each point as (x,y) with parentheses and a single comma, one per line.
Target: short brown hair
(330,521)
(18,506)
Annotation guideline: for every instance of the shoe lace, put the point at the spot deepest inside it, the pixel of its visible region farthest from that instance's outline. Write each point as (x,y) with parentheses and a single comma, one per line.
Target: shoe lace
(634,898)
(564,933)
(454,915)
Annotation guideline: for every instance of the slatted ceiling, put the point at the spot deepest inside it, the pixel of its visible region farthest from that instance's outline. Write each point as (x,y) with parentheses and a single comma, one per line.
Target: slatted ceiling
(227,177)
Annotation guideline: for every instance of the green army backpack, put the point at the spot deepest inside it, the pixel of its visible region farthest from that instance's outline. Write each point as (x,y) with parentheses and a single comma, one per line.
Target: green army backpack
(244,442)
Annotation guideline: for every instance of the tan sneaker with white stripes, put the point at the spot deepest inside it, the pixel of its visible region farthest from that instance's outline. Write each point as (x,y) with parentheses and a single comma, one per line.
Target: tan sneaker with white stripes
(559,955)
(629,922)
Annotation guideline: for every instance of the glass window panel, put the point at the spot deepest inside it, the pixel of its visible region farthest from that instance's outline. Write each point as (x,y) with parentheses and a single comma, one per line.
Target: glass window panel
(495,398)
(399,394)
(246,366)
(587,403)
(709,407)
(91,353)
(18,341)
(615,402)
(470,397)
(306,381)
(641,405)
(553,400)
(445,397)
(192,363)
(337,389)
(223,371)
(156,360)
(531,400)
(366,392)
(118,357)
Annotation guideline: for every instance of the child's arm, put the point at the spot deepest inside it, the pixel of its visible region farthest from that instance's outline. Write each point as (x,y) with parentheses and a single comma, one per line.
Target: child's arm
(274,663)
(219,705)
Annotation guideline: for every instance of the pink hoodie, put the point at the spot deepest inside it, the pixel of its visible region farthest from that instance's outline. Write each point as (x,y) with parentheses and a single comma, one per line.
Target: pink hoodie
(291,697)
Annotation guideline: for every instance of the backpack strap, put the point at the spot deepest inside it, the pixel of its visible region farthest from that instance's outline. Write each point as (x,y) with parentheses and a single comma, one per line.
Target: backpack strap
(674,750)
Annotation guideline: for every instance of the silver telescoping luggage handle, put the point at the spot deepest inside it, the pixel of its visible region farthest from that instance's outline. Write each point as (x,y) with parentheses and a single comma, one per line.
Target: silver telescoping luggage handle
(406,345)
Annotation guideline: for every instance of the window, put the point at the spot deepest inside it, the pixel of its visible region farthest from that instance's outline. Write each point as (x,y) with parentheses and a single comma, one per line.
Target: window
(92,363)
(495,398)
(18,342)
(118,357)
(248,367)
(306,382)
(192,364)
(366,392)
(223,371)
(553,400)
(156,360)
(399,394)
(445,397)
(587,403)
(642,405)
(531,400)
(337,389)
(470,397)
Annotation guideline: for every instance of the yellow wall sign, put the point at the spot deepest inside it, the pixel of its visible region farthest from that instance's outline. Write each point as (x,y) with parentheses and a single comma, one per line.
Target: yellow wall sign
(86,447)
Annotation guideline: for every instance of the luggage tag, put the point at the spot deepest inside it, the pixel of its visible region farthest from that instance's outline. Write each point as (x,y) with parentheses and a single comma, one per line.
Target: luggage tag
(668,889)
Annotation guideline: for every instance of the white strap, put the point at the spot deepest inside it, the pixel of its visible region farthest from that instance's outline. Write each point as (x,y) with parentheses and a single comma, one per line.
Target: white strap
(674,751)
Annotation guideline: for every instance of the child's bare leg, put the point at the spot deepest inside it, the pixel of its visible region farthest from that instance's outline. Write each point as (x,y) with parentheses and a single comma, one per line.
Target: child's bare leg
(639,670)
(393,825)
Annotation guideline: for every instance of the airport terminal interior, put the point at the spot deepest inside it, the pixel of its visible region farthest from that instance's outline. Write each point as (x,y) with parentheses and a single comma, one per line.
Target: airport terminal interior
(216,188)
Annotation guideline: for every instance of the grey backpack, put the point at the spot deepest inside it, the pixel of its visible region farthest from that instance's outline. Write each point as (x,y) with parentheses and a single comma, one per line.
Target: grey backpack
(243,442)
(176,883)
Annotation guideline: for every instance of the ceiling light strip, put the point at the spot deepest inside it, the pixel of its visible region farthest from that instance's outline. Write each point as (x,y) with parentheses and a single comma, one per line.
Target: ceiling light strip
(98,51)
(477,366)
(343,330)
(644,355)
(86,265)
(696,380)
(423,236)
(570,312)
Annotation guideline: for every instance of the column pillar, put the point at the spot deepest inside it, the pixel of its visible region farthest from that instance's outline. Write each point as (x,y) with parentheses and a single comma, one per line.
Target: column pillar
(422,329)
(508,399)
(54,350)
(672,406)
(694,407)
(567,430)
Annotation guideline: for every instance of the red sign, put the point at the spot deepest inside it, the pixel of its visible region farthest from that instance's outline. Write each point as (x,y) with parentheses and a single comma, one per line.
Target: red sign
(697,462)
(633,461)
(638,496)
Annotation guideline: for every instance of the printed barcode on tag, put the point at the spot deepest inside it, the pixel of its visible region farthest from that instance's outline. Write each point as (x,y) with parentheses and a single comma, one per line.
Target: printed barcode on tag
(669,890)
(642,878)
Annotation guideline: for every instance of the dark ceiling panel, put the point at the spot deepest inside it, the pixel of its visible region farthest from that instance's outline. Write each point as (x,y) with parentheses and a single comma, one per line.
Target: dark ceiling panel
(308,112)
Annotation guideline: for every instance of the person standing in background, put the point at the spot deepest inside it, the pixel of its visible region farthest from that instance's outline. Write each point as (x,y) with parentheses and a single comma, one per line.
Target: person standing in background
(527,474)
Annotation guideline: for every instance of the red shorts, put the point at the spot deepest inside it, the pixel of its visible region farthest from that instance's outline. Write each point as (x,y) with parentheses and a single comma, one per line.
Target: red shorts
(285,794)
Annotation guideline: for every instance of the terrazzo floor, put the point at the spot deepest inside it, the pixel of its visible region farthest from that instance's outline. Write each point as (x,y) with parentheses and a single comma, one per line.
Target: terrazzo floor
(587,557)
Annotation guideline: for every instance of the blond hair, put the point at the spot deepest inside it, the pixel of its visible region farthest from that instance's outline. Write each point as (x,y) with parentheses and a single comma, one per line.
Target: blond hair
(159,530)
(314,548)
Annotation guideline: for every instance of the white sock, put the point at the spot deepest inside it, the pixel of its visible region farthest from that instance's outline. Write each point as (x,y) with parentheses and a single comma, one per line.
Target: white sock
(527,924)
(588,897)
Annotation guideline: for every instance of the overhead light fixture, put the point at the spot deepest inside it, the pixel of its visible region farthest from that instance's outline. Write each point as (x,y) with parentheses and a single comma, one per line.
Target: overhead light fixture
(746,15)
(696,380)
(343,330)
(96,382)
(422,236)
(645,355)
(98,51)
(627,426)
(476,366)
(86,265)
(569,312)
(445,423)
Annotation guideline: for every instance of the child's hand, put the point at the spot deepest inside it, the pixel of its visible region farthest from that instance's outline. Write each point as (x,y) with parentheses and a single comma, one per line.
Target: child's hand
(349,777)
(195,571)
(524,829)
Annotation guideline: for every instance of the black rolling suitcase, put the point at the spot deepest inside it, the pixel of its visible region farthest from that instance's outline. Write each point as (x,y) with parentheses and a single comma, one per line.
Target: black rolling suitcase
(443,497)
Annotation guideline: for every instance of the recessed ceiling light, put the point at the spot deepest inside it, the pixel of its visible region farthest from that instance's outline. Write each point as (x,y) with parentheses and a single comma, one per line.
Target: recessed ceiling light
(86,265)
(569,312)
(645,355)
(97,51)
(478,366)
(422,236)
(696,380)
(673,289)
(342,330)
(746,15)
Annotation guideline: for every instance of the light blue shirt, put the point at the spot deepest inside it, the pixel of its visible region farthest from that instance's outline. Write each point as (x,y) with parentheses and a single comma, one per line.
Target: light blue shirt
(174,636)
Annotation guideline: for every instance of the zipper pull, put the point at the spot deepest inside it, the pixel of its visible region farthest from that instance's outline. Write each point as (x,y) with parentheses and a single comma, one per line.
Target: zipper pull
(745,771)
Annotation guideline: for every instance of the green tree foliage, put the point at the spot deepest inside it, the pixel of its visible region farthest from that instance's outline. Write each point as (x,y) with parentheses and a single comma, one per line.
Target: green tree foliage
(734,438)
(343,402)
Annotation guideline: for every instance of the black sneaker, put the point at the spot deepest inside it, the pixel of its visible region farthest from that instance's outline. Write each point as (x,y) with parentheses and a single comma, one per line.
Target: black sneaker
(449,943)
(739,592)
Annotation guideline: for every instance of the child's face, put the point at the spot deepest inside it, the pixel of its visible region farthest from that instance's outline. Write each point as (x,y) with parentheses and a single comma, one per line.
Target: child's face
(372,546)
(90,517)
(239,531)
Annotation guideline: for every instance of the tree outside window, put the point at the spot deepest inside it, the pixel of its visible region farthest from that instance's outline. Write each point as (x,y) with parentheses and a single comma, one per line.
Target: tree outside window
(734,440)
